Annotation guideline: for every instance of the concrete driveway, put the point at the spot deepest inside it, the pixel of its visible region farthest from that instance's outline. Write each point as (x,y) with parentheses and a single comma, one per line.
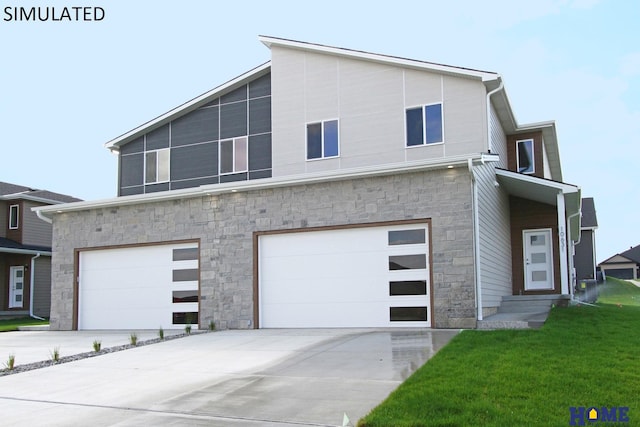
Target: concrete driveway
(308,377)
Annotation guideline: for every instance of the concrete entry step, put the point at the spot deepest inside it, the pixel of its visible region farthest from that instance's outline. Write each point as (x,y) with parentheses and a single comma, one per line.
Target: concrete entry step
(523,311)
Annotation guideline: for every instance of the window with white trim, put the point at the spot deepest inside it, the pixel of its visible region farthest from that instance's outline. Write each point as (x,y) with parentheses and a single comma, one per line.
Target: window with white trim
(525,155)
(234,155)
(14,215)
(156,166)
(424,125)
(323,140)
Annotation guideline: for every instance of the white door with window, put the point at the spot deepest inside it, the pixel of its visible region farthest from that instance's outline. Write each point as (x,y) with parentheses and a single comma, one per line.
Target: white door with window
(538,260)
(16,287)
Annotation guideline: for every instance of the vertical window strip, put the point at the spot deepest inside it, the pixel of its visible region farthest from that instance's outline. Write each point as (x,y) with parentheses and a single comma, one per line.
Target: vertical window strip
(14,217)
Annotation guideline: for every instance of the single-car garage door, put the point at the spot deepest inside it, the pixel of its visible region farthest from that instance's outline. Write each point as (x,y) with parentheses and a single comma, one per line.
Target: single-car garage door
(143,287)
(348,277)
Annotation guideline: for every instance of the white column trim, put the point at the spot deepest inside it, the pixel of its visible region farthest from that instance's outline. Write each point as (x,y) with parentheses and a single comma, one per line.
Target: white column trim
(562,245)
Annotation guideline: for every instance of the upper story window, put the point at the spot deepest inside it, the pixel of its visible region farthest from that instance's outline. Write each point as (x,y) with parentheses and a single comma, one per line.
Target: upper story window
(156,166)
(14,212)
(524,156)
(424,125)
(233,155)
(323,140)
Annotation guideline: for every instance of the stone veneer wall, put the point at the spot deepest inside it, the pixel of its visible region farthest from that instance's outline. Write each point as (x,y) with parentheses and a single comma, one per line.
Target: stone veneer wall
(225,225)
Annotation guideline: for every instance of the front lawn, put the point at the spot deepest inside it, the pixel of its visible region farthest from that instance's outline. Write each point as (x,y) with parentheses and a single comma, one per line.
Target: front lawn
(582,357)
(13,324)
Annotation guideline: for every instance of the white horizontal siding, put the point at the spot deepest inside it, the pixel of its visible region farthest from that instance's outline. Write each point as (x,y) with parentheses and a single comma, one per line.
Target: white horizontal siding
(495,233)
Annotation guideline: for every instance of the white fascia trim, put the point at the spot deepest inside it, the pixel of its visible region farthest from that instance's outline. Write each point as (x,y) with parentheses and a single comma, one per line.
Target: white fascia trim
(565,188)
(24,251)
(46,212)
(405,62)
(115,143)
(23,196)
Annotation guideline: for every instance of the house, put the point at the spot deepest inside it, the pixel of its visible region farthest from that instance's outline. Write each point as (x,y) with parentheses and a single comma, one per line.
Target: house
(585,250)
(325,188)
(625,265)
(25,251)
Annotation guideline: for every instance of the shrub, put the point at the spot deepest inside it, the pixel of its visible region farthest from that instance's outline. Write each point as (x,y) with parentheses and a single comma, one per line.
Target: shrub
(55,354)
(133,338)
(161,333)
(97,345)
(187,329)
(10,363)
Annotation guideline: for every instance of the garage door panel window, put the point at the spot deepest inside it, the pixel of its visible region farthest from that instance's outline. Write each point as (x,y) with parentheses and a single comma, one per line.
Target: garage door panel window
(185,275)
(185,296)
(185,318)
(407,262)
(408,314)
(407,237)
(408,287)
(185,254)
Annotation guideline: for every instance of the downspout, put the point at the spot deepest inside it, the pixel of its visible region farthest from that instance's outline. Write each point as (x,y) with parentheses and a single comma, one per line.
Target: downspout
(574,279)
(476,239)
(42,217)
(499,88)
(32,286)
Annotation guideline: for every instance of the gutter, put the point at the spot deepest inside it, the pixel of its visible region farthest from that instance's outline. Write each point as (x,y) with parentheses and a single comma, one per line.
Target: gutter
(46,212)
(574,279)
(32,280)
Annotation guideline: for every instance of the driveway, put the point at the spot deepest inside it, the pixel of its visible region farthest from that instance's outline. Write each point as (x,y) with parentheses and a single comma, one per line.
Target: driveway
(272,377)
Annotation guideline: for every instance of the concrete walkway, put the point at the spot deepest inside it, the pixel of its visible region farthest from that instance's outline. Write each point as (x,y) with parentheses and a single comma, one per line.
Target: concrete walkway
(229,378)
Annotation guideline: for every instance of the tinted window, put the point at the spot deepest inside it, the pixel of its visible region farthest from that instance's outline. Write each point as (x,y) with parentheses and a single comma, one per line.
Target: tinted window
(433,119)
(408,287)
(414,127)
(407,262)
(408,314)
(314,140)
(331,138)
(407,237)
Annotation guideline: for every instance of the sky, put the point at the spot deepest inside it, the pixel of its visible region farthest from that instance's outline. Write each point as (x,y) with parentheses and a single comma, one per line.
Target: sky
(67,88)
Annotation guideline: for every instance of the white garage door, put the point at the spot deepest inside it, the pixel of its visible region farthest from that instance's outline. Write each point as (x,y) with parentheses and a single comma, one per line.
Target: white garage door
(354,277)
(144,287)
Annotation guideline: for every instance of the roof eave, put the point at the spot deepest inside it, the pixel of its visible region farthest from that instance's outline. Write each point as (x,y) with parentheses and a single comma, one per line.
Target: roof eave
(241,186)
(197,102)
(270,41)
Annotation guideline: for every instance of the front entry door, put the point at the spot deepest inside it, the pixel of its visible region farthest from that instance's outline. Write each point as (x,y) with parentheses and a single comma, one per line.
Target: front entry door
(538,260)
(16,287)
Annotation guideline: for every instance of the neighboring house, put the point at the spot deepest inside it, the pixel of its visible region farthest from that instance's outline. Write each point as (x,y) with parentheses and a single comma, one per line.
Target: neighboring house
(325,188)
(625,265)
(585,255)
(25,251)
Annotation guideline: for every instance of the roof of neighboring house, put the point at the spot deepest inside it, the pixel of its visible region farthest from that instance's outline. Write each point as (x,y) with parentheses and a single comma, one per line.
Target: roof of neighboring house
(10,191)
(632,254)
(11,246)
(589,219)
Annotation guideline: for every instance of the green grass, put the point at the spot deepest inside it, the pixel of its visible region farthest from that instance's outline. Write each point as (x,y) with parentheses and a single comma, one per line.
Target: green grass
(583,356)
(13,324)
(616,291)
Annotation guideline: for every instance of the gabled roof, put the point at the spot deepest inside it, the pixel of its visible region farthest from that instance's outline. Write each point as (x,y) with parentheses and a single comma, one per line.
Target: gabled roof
(632,254)
(13,247)
(544,191)
(10,191)
(589,219)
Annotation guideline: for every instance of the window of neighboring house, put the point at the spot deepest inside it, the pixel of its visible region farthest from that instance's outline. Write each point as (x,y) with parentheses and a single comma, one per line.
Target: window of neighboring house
(424,125)
(157,166)
(323,140)
(14,211)
(233,155)
(525,156)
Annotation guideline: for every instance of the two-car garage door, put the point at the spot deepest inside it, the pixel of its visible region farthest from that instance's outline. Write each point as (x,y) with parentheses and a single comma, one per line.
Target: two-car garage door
(142,287)
(348,277)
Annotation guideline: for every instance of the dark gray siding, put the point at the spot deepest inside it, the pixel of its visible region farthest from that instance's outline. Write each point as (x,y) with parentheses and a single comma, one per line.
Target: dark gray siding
(34,230)
(584,259)
(194,142)
(42,287)
(194,161)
